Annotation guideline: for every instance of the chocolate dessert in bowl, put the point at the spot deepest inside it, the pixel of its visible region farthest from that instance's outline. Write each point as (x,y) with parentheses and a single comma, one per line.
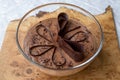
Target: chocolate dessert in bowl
(61,39)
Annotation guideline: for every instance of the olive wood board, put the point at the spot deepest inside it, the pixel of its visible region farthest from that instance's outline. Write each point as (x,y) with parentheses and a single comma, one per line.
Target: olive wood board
(106,66)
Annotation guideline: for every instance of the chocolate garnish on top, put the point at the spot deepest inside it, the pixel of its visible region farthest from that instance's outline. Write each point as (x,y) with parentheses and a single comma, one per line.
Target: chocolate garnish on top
(70,47)
(73,49)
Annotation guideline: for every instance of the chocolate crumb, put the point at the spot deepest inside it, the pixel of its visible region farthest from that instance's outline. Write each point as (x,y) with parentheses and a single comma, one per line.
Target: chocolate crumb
(92,48)
(46,60)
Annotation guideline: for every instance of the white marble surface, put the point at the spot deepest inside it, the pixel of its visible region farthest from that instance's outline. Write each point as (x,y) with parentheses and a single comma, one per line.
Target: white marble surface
(14,9)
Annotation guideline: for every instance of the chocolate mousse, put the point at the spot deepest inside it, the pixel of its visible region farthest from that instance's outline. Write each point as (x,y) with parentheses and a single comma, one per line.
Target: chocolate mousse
(59,42)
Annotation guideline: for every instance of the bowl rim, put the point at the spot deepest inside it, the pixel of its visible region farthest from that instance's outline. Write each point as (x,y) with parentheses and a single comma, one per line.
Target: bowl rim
(67,4)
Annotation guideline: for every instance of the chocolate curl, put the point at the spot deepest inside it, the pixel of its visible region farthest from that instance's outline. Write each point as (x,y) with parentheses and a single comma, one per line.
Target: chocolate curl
(62,19)
(72,48)
(75,55)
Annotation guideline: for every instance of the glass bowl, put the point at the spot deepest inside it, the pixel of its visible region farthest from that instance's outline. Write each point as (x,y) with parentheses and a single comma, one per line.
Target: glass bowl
(25,24)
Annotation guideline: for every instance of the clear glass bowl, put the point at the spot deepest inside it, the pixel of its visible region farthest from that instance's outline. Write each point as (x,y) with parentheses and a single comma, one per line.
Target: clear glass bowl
(25,24)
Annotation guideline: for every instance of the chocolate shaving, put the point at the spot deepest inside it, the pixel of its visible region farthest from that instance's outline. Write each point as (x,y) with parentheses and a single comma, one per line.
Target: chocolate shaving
(75,45)
(62,19)
(68,48)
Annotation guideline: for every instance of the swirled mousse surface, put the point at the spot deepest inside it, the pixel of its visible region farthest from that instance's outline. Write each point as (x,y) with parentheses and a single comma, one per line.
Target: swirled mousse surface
(59,43)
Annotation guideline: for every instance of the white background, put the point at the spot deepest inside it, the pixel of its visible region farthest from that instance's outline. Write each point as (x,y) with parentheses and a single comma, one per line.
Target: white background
(15,9)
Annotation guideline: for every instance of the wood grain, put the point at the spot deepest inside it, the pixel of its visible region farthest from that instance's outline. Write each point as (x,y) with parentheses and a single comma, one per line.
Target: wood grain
(13,66)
